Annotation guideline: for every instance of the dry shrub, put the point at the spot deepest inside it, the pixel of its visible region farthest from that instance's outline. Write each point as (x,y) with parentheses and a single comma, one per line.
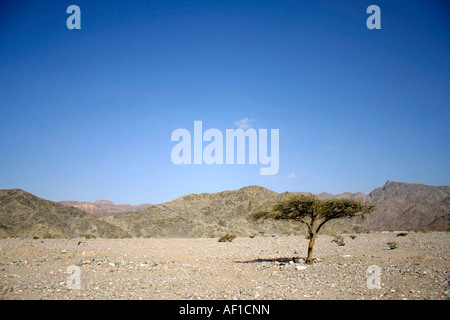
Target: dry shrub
(227,238)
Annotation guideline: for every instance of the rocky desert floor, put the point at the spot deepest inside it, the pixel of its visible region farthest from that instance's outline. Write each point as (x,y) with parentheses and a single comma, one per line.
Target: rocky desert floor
(258,268)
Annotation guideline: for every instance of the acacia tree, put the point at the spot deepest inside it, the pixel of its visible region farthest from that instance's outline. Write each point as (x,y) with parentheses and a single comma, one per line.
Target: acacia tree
(314,213)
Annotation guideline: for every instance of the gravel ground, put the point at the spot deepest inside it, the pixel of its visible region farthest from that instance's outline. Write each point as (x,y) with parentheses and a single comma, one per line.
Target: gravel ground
(247,268)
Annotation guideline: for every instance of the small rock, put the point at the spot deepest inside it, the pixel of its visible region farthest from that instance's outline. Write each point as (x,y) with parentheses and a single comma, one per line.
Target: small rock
(300,267)
(392,245)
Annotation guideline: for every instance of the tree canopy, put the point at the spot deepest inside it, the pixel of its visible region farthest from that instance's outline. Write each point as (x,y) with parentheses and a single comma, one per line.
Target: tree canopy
(314,212)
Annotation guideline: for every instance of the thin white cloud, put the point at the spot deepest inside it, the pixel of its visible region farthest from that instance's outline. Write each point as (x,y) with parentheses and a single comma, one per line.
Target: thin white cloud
(290,176)
(244,123)
(287,176)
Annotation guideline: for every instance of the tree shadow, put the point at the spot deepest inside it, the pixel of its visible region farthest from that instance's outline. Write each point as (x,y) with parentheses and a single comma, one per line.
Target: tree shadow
(279,260)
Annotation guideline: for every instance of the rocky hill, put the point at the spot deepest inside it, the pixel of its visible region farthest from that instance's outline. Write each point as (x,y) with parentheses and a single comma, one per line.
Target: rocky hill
(214,214)
(103,208)
(23,214)
(403,206)
(409,206)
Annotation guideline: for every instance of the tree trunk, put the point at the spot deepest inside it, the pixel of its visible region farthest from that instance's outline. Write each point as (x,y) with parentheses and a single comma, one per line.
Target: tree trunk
(309,259)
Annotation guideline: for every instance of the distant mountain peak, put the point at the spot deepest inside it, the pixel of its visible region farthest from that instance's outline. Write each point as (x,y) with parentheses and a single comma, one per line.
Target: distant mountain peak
(104,208)
(107,202)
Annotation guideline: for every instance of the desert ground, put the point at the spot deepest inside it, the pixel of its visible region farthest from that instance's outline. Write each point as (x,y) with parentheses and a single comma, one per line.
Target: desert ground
(262,267)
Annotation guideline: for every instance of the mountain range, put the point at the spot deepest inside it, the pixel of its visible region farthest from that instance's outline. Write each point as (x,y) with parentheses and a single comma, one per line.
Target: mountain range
(23,214)
(103,208)
(401,206)
(408,206)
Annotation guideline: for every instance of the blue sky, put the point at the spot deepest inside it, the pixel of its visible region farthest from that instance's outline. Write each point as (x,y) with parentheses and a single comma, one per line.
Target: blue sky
(88,114)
